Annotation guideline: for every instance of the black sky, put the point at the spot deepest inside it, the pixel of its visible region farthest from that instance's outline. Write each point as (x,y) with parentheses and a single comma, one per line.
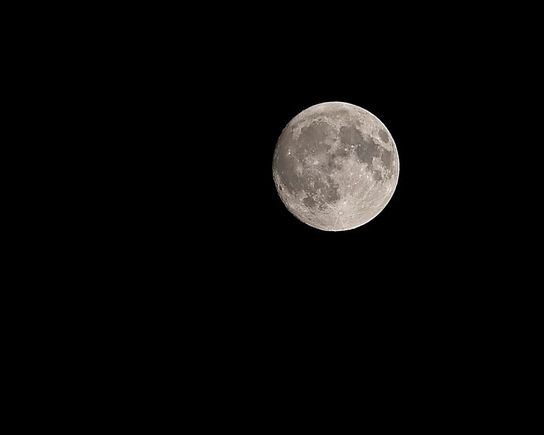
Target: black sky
(202,199)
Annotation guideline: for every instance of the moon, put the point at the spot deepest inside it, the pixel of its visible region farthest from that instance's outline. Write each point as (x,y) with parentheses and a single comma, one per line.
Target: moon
(335,166)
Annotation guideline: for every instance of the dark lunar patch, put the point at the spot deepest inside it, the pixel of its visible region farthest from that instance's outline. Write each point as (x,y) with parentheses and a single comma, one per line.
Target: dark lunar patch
(336,159)
(309,202)
(312,139)
(350,136)
(342,152)
(383,135)
(333,164)
(387,157)
(366,150)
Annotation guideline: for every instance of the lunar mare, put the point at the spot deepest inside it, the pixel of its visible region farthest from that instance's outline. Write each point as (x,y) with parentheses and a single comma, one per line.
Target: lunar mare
(335,166)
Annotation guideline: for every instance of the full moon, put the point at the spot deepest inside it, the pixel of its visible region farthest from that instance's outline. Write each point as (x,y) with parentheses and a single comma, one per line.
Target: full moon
(335,166)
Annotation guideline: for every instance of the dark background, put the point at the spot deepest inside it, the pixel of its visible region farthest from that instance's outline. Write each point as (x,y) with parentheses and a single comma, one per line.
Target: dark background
(218,110)
(191,259)
(207,104)
(195,224)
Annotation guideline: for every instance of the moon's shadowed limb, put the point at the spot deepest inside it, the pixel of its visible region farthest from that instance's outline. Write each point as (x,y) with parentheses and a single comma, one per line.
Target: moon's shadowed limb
(335,166)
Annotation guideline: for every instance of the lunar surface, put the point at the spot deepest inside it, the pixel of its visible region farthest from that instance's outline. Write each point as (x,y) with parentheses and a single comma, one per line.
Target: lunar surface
(335,166)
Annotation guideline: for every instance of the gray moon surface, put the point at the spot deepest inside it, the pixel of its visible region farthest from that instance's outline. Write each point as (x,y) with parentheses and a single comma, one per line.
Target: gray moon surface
(335,166)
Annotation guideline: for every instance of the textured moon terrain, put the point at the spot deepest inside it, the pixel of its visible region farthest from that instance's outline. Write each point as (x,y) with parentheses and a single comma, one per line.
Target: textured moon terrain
(335,166)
